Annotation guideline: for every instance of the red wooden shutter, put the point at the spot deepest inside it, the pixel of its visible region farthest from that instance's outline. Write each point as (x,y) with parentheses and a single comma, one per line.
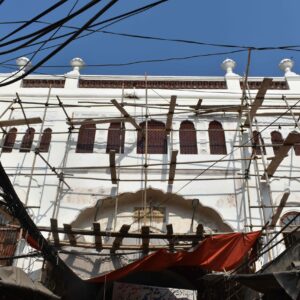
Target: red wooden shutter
(276,138)
(45,140)
(258,143)
(27,140)
(86,138)
(187,138)
(10,140)
(116,137)
(216,138)
(157,138)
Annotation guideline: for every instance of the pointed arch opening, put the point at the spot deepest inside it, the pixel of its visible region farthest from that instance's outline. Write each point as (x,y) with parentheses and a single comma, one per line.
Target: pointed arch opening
(277,140)
(258,144)
(188,138)
(217,140)
(86,138)
(116,137)
(157,138)
(27,140)
(45,140)
(9,141)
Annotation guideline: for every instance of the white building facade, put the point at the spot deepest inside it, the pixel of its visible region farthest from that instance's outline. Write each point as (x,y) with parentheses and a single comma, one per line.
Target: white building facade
(166,150)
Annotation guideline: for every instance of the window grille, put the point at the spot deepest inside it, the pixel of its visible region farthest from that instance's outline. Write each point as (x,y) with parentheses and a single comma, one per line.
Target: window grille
(217,141)
(154,215)
(188,138)
(157,138)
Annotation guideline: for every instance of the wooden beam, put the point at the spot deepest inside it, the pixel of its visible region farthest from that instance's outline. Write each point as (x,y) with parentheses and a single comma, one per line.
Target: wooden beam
(170,114)
(19,122)
(197,106)
(145,239)
(103,121)
(199,234)
(112,165)
(170,237)
(258,101)
(98,239)
(291,139)
(70,234)
(279,209)
(172,168)
(118,240)
(125,114)
(132,235)
(54,231)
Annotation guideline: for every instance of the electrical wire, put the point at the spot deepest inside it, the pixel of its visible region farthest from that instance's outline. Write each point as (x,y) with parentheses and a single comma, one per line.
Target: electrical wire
(34,19)
(63,45)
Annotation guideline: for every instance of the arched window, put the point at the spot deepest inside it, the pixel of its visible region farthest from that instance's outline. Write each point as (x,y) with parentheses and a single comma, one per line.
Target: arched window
(45,140)
(10,139)
(116,137)
(157,138)
(188,138)
(27,140)
(297,147)
(86,138)
(258,143)
(277,140)
(216,138)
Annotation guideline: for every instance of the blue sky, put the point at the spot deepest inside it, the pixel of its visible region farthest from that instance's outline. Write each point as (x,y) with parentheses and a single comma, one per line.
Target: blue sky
(252,23)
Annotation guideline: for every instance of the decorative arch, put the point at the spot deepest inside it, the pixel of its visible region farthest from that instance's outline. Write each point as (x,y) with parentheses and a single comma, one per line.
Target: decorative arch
(45,140)
(277,140)
(86,138)
(258,143)
(188,138)
(157,138)
(116,137)
(27,140)
(217,140)
(9,141)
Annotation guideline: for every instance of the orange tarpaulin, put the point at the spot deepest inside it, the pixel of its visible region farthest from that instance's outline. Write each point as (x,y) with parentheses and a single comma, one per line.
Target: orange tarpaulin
(215,253)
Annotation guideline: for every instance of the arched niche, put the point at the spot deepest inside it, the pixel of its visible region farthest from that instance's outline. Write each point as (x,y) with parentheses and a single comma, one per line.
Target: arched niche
(177,211)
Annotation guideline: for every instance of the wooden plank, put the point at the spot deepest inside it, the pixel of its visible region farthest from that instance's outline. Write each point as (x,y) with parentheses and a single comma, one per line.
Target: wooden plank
(54,231)
(125,114)
(112,165)
(170,237)
(118,240)
(170,114)
(289,142)
(70,234)
(279,209)
(19,122)
(84,122)
(258,101)
(98,239)
(172,168)
(199,234)
(145,239)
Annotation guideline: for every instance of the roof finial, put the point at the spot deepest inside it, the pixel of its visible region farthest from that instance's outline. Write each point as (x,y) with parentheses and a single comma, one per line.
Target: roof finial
(23,63)
(286,66)
(228,65)
(77,63)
